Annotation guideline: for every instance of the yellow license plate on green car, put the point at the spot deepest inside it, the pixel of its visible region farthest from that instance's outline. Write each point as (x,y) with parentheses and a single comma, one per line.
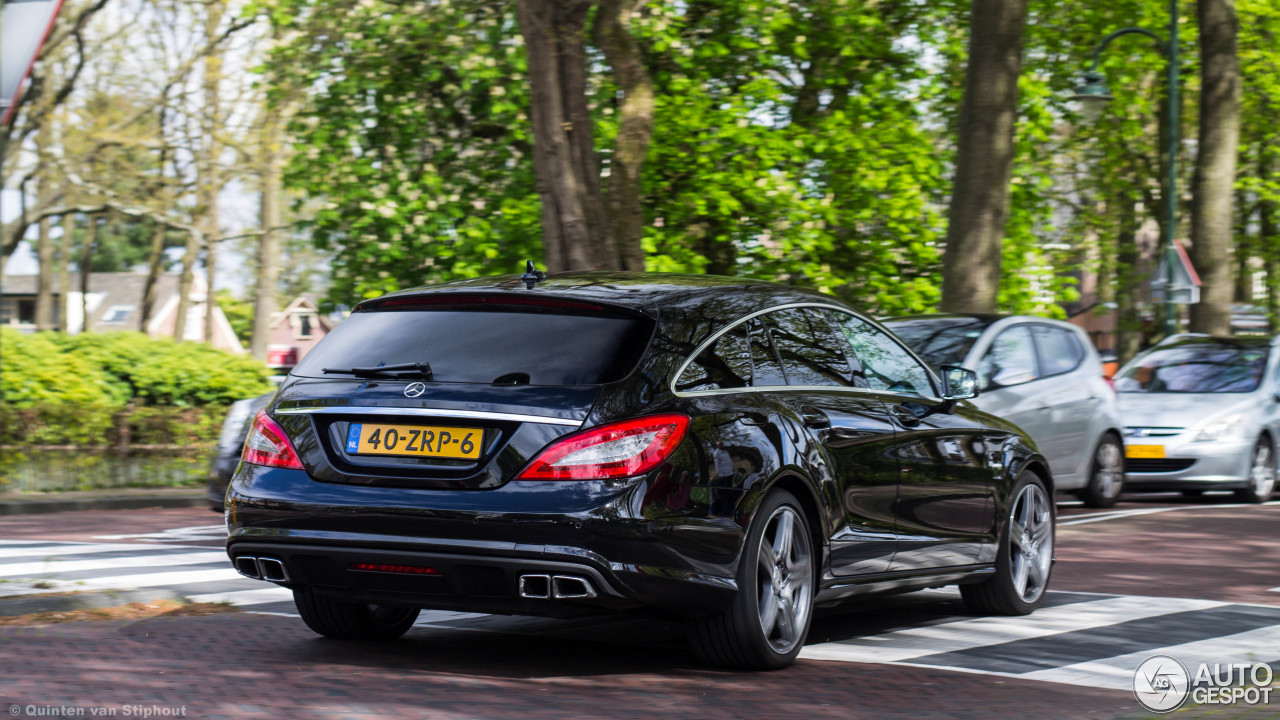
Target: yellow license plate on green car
(1144,452)
(414,440)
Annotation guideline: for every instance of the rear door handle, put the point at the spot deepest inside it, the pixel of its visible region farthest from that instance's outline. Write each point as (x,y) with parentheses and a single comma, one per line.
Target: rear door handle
(814,418)
(753,419)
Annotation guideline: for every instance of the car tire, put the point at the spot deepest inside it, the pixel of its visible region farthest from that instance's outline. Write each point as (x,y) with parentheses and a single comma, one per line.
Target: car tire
(1262,473)
(781,578)
(1106,475)
(352,620)
(1025,547)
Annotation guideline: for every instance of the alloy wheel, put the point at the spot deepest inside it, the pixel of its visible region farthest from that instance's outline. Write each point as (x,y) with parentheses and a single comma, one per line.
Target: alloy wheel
(784,579)
(1262,474)
(1110,474)
(1030,542)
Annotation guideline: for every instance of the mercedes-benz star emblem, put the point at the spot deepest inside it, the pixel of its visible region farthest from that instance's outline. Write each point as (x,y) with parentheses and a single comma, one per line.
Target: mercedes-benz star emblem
(414,389)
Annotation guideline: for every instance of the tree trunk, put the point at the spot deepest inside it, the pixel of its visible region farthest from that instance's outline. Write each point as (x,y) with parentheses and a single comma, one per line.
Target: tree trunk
(44,280)
(1242,252)
(984,157)
(264,300)
(189,254)
(635,128)
(1212,188)
(155,262)
(1269,235)
(1127,280)
(210,170)
(44,245)
(86,262)
(574,226)
(64,273)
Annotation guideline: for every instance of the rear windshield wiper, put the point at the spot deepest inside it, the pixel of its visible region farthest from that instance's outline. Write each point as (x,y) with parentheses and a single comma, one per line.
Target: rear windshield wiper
(419,369)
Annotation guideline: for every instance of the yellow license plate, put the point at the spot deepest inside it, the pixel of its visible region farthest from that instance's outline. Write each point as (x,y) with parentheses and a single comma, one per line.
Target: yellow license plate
(414,440)
(1144,452)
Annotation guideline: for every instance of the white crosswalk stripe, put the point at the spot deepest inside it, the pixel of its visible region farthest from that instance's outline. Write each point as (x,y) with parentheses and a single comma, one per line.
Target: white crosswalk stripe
(979,632)
(60,564)
(43,550)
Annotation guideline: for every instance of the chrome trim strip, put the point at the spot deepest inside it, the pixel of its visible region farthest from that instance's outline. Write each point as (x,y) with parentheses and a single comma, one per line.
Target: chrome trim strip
(427,412)
(822,388)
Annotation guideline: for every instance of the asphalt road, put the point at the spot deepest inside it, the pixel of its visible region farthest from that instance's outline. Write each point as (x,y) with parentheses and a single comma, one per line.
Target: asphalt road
(1155,575)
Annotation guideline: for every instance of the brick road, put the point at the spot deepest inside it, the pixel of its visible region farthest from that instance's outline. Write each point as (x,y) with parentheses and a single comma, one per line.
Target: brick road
(255,666)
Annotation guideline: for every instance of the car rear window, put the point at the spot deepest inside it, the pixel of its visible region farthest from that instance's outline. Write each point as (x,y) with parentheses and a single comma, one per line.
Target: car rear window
(488,345)
(1198,368)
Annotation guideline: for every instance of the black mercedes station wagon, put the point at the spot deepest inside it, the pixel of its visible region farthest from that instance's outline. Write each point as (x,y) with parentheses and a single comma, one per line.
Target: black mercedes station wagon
(730,452)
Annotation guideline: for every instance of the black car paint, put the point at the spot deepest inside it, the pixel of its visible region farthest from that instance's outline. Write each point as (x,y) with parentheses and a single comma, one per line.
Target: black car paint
(902,492)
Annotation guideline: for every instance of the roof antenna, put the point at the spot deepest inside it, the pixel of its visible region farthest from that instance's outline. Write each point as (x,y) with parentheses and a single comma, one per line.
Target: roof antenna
(531,277)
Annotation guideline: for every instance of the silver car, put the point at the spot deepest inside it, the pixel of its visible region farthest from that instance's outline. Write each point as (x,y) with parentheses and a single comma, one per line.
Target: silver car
(1042,375)
(1203,413)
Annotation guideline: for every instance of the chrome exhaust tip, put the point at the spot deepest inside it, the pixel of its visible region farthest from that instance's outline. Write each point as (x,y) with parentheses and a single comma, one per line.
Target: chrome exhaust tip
(248,567)
(537,587)
(272,569)
(571,586)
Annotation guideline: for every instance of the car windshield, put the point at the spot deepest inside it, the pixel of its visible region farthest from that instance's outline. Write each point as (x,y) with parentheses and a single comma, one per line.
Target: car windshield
(940,341)
(485,346)
(1195,368)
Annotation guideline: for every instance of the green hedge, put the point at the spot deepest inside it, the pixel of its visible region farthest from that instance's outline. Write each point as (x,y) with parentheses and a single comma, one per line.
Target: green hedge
(112,369)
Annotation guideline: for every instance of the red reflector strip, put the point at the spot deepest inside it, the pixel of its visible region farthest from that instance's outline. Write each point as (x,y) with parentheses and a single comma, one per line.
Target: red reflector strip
(387,568)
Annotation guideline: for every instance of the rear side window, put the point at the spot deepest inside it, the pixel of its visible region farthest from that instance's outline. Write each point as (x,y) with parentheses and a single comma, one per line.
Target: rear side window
(741,357)
(811,352)
(725,364)
(486,346)
(1059,350)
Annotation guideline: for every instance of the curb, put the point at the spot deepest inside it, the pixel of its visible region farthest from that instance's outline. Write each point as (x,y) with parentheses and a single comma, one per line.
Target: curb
(55,504)
(31,604)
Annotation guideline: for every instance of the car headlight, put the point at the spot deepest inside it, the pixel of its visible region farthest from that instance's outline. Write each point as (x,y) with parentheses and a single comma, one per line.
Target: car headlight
(1221,429)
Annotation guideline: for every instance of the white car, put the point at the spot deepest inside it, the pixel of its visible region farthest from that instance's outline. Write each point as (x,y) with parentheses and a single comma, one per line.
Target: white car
(1045,377)
(1203,413)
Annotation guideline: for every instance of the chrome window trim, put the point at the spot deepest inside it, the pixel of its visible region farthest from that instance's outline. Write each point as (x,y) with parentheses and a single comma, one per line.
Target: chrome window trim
(426,412)
(810,388)
(781,388)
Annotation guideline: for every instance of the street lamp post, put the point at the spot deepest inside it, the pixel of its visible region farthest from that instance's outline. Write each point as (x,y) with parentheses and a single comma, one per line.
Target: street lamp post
(1093,96)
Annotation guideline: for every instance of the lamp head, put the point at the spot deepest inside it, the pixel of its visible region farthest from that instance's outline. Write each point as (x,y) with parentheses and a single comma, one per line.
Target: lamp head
(1092,95)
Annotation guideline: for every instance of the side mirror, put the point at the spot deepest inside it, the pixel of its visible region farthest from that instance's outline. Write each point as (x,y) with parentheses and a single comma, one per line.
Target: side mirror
(1012,376)
(961,383)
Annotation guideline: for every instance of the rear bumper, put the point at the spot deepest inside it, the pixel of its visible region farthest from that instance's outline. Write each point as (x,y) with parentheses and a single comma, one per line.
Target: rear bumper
(465,582)
(479,543)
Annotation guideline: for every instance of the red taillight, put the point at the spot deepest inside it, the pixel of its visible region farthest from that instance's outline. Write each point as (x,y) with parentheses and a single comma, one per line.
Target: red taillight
(617,450)
(268,445)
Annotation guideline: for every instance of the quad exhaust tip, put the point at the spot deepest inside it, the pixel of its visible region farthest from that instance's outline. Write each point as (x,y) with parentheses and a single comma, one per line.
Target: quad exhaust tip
(560,587)
(262,568)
